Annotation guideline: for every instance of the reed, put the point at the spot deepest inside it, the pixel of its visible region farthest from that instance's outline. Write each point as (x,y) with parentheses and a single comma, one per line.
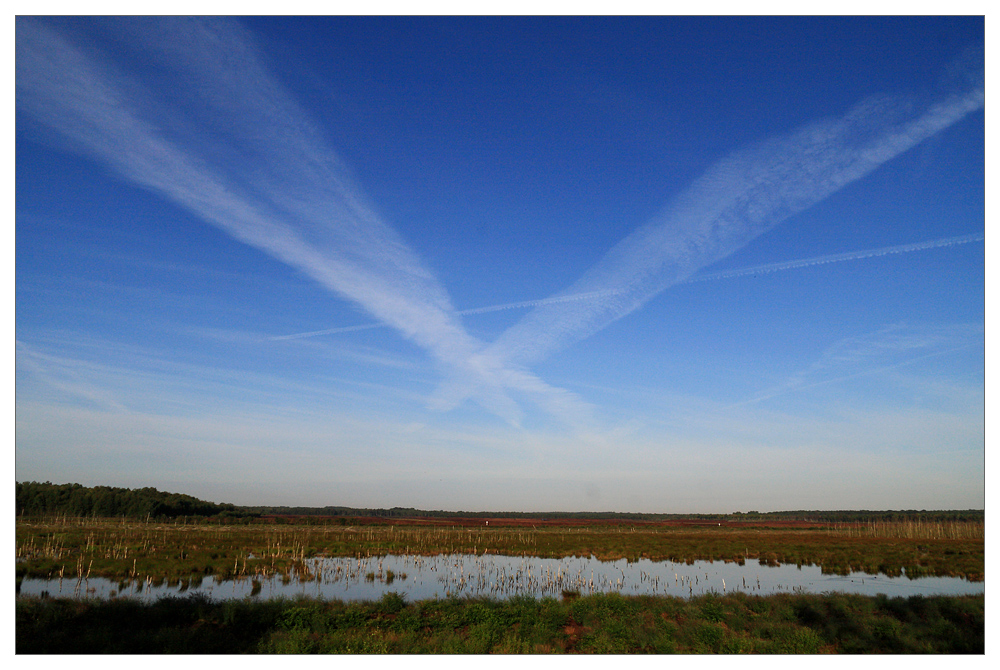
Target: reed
(916,529)
(133,550)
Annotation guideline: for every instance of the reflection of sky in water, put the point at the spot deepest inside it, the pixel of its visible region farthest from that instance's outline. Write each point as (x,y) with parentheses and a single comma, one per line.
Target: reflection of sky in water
(423,577)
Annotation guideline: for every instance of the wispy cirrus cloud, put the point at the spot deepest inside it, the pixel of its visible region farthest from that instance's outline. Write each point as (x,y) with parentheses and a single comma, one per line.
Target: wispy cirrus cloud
(229,144)
(310,217)
(67,378)
(698,277)
(836,258)
(889,348)
(737,200)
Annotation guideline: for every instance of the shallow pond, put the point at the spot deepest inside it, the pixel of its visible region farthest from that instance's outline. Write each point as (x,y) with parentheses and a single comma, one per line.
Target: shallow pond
(424,577)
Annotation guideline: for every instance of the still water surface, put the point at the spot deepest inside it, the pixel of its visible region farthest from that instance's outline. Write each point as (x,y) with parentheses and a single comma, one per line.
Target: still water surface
(425,577)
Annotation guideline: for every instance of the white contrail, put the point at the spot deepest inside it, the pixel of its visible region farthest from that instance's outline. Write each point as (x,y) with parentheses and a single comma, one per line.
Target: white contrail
(726,274)
(538,303)
(220,137)
(328,331)
(299,206)
(475,310)
(738,200)
(835,258)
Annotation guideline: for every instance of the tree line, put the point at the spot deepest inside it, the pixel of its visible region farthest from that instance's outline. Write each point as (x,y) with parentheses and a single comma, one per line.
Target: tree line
(46,499)
(817,516)
(860,516)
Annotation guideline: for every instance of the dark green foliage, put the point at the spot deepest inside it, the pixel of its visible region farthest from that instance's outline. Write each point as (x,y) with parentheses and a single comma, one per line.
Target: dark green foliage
(391,603)
(40,499)
(711,609)
(126,627)
(598,624)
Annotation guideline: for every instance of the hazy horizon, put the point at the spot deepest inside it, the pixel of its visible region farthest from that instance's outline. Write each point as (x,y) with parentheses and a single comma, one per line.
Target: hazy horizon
(659,265)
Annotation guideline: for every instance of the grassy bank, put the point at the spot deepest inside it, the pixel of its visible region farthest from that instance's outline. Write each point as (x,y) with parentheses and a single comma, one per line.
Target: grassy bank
(73,548)
(598,624)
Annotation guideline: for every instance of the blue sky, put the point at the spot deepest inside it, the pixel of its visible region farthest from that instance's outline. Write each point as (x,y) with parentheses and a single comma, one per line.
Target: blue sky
(644,264)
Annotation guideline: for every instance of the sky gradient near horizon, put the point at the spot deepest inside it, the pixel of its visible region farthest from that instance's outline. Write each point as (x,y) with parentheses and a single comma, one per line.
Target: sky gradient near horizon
(609,264)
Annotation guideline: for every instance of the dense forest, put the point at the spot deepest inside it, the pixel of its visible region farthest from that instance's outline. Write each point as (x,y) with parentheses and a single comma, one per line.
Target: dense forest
(44,499)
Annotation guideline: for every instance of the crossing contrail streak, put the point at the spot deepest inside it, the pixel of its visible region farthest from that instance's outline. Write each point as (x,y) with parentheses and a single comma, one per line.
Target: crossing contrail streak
(203,123)
(524,304)
(225,140)
(328,331)
(736,201)
(727,274)
(835,258)
(537,303)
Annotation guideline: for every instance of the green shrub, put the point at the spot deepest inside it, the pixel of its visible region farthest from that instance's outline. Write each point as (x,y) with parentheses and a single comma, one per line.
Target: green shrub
(391,603)
(711,610)
(707,637)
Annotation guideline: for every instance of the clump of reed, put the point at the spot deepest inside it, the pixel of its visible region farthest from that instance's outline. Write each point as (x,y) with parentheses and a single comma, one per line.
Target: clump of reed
(917,529)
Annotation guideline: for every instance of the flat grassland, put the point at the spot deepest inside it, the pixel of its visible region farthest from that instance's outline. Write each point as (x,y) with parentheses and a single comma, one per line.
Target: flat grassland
(153,551)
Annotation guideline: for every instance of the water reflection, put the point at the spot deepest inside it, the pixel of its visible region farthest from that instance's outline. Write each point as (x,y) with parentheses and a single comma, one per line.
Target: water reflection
(424,577)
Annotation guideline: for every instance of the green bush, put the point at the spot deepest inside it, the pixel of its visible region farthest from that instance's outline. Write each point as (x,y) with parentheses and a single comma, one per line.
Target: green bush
(391,603)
